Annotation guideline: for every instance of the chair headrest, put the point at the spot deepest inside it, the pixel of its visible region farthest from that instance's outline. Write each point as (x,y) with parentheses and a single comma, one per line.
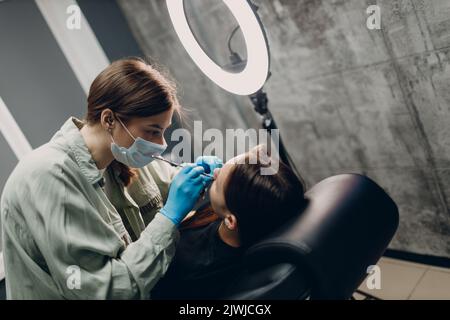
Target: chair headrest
(346,228)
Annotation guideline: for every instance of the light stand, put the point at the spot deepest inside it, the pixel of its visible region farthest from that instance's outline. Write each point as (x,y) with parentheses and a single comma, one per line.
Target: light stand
(259,99)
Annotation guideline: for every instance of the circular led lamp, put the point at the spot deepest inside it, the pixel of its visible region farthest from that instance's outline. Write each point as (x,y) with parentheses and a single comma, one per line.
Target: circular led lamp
(254,75)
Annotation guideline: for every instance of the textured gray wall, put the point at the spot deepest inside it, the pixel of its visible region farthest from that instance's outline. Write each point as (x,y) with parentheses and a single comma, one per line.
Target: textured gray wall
(347,99)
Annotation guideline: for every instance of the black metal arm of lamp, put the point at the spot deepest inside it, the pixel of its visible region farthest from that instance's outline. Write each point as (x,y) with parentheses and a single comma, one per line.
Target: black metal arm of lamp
(261,104)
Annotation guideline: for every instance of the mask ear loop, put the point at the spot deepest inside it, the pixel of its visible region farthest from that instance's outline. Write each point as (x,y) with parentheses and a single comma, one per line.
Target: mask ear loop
(110,135)
(126,129)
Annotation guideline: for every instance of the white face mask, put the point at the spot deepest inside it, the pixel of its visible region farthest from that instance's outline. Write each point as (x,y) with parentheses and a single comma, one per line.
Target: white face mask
(139,154)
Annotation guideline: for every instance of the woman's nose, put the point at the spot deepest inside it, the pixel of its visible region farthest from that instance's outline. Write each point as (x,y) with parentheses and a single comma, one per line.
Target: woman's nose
(216,173)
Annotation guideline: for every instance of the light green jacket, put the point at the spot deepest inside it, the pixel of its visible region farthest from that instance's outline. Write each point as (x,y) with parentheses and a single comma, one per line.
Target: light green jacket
(68,228)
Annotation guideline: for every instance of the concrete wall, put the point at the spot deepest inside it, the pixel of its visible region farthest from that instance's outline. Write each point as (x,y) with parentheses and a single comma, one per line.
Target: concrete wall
(347,99)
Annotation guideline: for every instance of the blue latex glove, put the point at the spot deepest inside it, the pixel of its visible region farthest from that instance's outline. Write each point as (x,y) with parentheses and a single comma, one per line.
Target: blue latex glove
(209,163)
(184,192)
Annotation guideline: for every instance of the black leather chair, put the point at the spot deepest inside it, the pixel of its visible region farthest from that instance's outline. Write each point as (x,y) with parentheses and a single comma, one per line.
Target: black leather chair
(325,253)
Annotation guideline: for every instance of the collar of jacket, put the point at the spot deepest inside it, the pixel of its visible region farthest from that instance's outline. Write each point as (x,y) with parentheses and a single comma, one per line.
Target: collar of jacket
(71,132)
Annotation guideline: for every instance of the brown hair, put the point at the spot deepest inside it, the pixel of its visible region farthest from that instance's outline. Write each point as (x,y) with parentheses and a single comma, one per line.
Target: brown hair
(262,203)
(131,87)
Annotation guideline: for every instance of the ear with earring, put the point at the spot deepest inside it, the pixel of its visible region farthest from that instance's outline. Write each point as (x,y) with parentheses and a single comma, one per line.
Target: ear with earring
(228,224)
(110,122)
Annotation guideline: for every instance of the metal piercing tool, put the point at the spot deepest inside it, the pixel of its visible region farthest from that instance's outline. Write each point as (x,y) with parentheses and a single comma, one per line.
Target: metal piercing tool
(179,165)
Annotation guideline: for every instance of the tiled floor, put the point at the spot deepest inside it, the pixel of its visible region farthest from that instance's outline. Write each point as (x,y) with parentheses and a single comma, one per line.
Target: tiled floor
(402,280)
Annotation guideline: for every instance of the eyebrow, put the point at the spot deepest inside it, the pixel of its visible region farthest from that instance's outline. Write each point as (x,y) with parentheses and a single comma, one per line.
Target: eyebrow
(158,126)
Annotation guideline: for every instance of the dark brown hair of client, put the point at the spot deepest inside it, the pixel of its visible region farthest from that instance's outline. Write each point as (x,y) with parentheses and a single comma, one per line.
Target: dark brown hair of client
(131,87)
(262,203)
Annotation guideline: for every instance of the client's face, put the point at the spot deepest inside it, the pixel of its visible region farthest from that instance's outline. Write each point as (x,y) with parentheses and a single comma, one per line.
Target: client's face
(217,189)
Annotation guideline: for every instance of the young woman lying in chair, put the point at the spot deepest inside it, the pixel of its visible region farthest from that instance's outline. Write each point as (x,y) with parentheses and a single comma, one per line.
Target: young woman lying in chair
(245,206)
